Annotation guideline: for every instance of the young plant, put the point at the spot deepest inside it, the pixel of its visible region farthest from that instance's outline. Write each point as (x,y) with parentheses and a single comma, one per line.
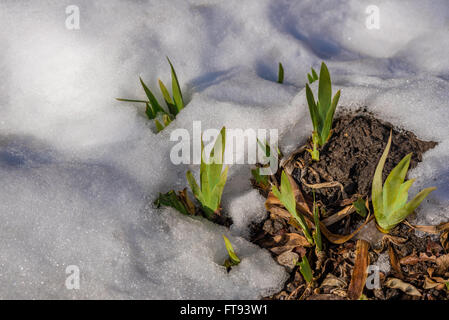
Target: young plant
(262,179)
(287,198)
(321,111)
(390,201)
(233,259)
(305,269)
(212,177)
(154,109)
(180,202)
(281,73)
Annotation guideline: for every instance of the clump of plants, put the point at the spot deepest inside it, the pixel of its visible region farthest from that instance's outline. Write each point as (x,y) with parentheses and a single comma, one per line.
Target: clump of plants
(390,200)
(212,177)
(322,110)
(287,198)
(212,181)
(154,110)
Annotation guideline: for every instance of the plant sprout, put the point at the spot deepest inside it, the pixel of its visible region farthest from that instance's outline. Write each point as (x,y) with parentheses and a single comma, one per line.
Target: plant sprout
(304,268)
(212,177)
(322,111)
(390,201)
(281,73)
(262,179)
(312,77)
(287,198)
(233,259)
(180,202)
(154,109)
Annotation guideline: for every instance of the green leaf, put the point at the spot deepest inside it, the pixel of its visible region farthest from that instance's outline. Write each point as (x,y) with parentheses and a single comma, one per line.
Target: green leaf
(402,196)
(314,75)
(309,77)
(194,186)
(281,73)
(360,207)
(166,119)
(217,190)
(233,257)
(177,95)
(394,182)
(314,115)
(324,91)
(170,199)
(376,191)
(287,198)
(304,268)
(159,126)
(156,106)
(326,130)
(216,158)
(399,215)
(168,100)
(260,179)
(150,112)
(130,100)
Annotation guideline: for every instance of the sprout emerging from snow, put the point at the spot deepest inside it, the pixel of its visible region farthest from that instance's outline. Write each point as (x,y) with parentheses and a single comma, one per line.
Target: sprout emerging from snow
(212,177)
(322,111)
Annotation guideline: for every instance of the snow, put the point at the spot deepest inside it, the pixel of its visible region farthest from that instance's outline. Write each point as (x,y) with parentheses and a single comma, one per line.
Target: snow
(79,170)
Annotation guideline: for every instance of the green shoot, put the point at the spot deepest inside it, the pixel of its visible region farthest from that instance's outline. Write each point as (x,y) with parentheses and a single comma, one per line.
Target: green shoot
(154,109)
(281,73)
(287,198)
(262,180)
(390,201)
(312,77)
(212,177)
(360,207)
(321,111)
(233,259)
(317,232)
(306,271)
(179,202)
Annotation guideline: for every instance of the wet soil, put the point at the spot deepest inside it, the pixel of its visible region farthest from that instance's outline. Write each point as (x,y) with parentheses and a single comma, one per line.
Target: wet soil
(351,155)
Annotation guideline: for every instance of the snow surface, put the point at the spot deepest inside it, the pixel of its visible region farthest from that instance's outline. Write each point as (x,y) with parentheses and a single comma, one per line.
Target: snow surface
(79,170)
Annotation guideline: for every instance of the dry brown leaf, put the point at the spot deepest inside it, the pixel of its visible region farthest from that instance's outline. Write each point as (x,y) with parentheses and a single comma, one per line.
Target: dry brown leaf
(339,215)
(359,273)
(434,283)
(444,240)
(394,261)
(430,229)
(442,263)
(288,259)
(332,281)
(287,242)
(411,259)
(405,287)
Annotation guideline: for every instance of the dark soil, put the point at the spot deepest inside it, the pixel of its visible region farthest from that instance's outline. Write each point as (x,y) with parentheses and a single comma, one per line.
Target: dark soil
(352,153)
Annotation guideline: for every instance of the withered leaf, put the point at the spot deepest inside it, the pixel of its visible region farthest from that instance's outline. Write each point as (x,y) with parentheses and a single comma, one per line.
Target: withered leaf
(359,272)
(405,287)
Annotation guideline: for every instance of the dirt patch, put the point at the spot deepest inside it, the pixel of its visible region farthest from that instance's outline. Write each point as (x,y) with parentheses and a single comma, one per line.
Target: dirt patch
(419,266)
(351,155)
